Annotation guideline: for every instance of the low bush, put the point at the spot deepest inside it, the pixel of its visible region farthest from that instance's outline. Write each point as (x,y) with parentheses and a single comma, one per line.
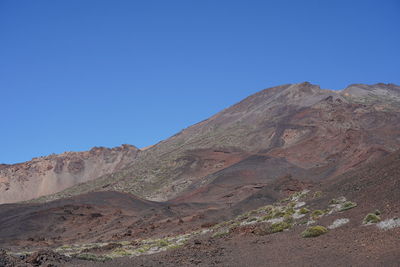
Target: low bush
(266,229)
(162,243)
(348,205)
(304,211)
(316,214)
(314,231)
(279,227)
(371,218)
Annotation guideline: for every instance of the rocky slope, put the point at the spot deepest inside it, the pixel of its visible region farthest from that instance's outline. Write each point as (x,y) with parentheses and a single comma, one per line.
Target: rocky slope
(299,130)
(51,174)
(238,189)
(103,229)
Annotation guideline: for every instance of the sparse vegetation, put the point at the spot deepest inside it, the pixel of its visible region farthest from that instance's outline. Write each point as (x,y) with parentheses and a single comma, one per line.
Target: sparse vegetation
(371,218)
(252,219)
(348,205)
(278,213)
(279,227)
(289,211)
(268,220)
(121,252)
(314,231)
(304,211)
(162,243)
(338,200)
(316,214)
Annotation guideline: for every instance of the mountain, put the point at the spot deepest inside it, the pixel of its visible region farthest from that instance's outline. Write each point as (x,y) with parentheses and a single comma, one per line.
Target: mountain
(54,173)
(296,129)
(243,187)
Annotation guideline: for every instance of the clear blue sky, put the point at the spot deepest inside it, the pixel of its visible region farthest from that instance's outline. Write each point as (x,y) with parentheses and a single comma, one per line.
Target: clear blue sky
(77,74)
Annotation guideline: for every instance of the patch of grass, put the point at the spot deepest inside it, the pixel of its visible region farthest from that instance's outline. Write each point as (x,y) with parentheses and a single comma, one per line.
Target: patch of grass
(66,247)
(304,211)
(298,195)
(314,231)
(290,211)
(162,243)
(266,229)
(288,218)
(143,249)
(316,214)
(338,200)
(348,205)
(302,222)
(371,218)
(252,219)
(265,218)
(121,252)
(278,213)
(279,227)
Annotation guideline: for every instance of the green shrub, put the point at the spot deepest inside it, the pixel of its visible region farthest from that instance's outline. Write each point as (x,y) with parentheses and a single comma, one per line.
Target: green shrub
(162,243)
(270,229)
(377,212)
(316,214)
(304,211)
(348,205)
(279,227)
(302,222)
(121,252)
(288,218)
(314,231)
(371,218)
(290,211)
(252,219)
(278,214)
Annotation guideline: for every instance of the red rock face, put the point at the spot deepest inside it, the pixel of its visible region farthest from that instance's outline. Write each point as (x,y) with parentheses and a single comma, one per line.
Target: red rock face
(47,175)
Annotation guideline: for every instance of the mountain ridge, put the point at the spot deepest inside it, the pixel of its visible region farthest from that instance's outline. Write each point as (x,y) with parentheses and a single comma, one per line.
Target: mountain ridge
(280,121)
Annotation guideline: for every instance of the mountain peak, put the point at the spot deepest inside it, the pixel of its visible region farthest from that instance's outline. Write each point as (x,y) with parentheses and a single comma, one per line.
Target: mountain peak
(378,90)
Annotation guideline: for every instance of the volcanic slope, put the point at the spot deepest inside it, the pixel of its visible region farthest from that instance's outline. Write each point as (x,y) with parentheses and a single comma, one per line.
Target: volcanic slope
(341,205)
(122,227)
(299,130)
(235,187)
(54,173)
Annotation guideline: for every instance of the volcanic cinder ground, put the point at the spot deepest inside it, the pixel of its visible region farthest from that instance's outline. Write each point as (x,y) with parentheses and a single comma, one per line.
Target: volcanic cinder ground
(237,189)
